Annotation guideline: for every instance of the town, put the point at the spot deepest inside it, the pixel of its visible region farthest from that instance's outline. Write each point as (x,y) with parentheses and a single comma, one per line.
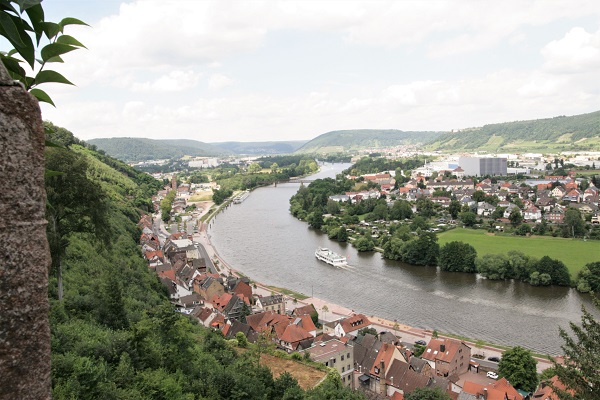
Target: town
(370,354)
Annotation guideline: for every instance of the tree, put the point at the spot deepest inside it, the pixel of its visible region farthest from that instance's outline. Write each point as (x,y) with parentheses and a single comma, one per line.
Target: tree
(579,373)
(427,393)
(494,266)
(342,234)
(15,27)
(573,223)
(515,217)
(519,367)
(74,204)
(254,168)
(454,208)
(401,210)
(457,257)
(364,243)
(556,269)
(588,279)
(315,219)
(468,218)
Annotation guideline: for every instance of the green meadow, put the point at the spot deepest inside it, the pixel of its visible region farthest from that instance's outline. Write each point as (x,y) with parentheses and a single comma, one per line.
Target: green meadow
(574,253)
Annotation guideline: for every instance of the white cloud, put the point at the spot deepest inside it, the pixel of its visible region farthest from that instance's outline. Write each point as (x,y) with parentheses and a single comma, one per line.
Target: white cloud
(141,75)
(174,81)
(577,51)
(219,81)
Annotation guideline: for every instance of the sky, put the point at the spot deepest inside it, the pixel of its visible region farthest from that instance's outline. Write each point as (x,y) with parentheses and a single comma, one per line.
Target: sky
(222,70)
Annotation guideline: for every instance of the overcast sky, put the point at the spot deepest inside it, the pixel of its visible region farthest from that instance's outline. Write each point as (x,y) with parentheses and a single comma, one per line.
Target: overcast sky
(281,70)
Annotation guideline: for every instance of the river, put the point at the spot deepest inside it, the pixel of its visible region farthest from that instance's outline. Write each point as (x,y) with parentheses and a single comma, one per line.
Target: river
(264,241)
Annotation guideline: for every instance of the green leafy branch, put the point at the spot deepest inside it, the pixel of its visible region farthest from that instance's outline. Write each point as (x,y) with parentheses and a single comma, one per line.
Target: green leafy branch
(25,28)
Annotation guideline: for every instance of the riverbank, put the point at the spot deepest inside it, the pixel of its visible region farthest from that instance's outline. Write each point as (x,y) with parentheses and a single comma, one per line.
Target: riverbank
(329,311)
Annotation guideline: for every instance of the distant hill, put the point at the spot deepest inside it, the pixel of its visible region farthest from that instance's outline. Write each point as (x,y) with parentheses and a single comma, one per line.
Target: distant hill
(262,148)
(338,141)
(140,149)
(578,132)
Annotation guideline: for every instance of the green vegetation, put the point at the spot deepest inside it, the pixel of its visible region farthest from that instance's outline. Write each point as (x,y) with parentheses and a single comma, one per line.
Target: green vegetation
(140,149)
(338,141)
(114,334)
(519,367)
(258,148)
(288,292)
(579,373)
(579,132)
(20,21)
(574,253)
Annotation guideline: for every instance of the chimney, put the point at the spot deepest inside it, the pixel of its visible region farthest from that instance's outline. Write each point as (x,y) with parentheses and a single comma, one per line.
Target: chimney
(442,348)
(485,392)
(382,369)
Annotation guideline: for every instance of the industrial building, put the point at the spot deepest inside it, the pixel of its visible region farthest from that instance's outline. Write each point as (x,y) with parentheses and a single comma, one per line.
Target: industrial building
(482,166)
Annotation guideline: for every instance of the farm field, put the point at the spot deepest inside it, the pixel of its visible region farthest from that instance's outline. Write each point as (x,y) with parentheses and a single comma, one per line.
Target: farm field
(574,253)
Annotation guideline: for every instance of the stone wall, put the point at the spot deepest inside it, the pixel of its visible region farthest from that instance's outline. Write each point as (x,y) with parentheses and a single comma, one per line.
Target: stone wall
(24,254)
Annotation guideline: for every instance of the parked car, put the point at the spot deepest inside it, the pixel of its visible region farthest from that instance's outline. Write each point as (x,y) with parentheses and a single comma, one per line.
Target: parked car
(421,342)
(494,359)
(492,374)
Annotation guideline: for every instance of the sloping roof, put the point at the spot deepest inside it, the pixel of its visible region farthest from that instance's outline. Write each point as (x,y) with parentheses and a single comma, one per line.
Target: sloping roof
(294,334)
(268,320)
(401,376)
(306,322)
(220,302)
(545,391)
(499,390)
(304,310)
(355,323)
(434,350)
(271,300)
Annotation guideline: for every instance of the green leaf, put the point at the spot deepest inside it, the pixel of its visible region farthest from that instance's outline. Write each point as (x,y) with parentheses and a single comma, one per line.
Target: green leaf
(70,21)
(56,59)
(51,76)
(51,29)
(35,12)
(67,39)
(55,49)
(27,4)
(12,65)
(10,30)
(42,96)
(49,173)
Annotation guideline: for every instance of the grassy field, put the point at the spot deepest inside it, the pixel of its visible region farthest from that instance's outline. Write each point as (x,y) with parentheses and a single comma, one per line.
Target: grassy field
(574,253)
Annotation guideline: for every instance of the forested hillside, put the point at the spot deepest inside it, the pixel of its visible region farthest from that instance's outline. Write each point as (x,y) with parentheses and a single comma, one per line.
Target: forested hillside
(338,141)
(140,149)
(262,148)
(114,333)
(578,132)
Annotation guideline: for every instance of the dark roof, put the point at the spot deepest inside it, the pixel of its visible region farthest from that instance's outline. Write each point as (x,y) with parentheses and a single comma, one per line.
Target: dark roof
(270,300)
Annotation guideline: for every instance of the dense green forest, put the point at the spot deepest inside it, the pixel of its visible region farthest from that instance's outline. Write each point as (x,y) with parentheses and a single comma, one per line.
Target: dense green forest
(114,333)
(259,148)
(578,132)
(140,149)
(339,141)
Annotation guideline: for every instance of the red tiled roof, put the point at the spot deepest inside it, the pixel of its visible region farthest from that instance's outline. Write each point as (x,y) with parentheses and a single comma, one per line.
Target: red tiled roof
(294,334)
(355,323)
(170,274)
(495,391)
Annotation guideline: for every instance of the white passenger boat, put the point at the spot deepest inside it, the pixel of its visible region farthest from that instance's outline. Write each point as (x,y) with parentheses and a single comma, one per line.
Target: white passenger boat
(330,257)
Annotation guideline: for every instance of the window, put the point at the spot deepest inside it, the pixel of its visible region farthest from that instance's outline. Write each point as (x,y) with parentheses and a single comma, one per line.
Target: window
(342,358)
(334,360)
(326,364)
(348,366)
(343,369)
(348,355)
